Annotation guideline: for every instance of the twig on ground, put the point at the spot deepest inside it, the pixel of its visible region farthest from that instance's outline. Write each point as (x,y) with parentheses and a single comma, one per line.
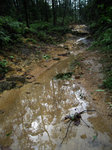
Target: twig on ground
(76,119)
(85,123)
(66,131)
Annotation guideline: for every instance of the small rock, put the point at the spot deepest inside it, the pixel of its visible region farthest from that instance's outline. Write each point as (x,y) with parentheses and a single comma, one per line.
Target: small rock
(1,112)
(27,92)
(45,66)
(16,78)
(56,58)
(19,69)
(83,136)
(37,83)
(29,77)
(77,77)
(7,85)
(64,54)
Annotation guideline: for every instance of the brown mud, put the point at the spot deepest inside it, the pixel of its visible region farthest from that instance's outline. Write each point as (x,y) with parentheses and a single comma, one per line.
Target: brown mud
(31,117)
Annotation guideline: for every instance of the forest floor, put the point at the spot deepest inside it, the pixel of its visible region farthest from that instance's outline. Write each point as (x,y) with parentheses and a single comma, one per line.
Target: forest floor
(34,60)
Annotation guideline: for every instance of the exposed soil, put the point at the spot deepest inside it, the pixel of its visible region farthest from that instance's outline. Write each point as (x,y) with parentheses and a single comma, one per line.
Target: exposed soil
(31,114)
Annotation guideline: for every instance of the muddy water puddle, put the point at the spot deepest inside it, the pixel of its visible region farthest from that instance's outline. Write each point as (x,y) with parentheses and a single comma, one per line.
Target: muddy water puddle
(33,116)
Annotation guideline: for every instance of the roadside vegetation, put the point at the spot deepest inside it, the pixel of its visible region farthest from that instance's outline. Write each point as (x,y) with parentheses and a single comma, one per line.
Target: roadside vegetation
(25,23)
(101,29)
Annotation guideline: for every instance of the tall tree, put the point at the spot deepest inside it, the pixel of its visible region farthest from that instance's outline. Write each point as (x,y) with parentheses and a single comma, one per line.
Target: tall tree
(25,4)
(54,3)
(64,13)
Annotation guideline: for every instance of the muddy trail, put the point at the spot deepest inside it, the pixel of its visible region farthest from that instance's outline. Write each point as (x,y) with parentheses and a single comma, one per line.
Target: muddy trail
(32,117)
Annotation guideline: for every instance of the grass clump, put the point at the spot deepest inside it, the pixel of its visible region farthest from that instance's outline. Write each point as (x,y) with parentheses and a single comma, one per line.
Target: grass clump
(75,63)
(3,68)
(31,40)
(46,57)
(42,36)
(63,76)
(102,33)
(107,83)
(104,41)
(10,31)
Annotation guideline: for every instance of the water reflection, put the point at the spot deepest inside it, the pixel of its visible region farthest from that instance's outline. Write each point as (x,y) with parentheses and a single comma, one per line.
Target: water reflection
(37,122)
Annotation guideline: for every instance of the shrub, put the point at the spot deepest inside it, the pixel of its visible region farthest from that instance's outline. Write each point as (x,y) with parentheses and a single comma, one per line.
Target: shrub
(44,37)
(44,26)
(104,40)
(59,30)
(10,25)
(3,66)
(63,76)
(31,40)
(4,39)
(108,83)
(29,31)
(10,31)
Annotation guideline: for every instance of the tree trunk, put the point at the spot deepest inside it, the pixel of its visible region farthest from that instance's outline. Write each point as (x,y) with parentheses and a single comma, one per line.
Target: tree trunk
(75,11)
(25,3)
(79,9)
(64,14)
(54,12)
(46,12)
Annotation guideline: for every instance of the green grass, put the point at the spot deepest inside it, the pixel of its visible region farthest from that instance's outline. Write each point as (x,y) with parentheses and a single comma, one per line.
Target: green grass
(74,63)
(103,43)
(31,40)
(3,66)
(63,76)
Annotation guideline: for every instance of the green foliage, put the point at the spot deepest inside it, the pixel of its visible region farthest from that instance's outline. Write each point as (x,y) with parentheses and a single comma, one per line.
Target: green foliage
(44,37)
(4,38)
(30,30)
(12,57)
(49,28)
(41,26)
(104,40)
(75,63)
(31,40)
(3,66)
(108,80)
(10,31)
(108,83)
(46,57)
(46,31)
(11,25)
(101,27)
(59,30)
(63,76)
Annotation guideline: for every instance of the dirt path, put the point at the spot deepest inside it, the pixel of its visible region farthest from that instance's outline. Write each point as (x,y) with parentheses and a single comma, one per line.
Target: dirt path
(31,117)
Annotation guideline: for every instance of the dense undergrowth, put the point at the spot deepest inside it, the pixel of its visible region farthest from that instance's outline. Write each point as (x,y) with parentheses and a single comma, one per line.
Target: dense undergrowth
(12,32)
(102,34)
(103,43)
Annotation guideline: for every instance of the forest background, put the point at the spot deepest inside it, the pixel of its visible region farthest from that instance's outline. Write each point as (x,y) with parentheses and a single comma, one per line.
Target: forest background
(48,20)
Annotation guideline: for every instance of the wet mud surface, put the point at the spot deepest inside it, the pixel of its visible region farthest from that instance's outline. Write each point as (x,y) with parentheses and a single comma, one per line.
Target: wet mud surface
(32,117)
